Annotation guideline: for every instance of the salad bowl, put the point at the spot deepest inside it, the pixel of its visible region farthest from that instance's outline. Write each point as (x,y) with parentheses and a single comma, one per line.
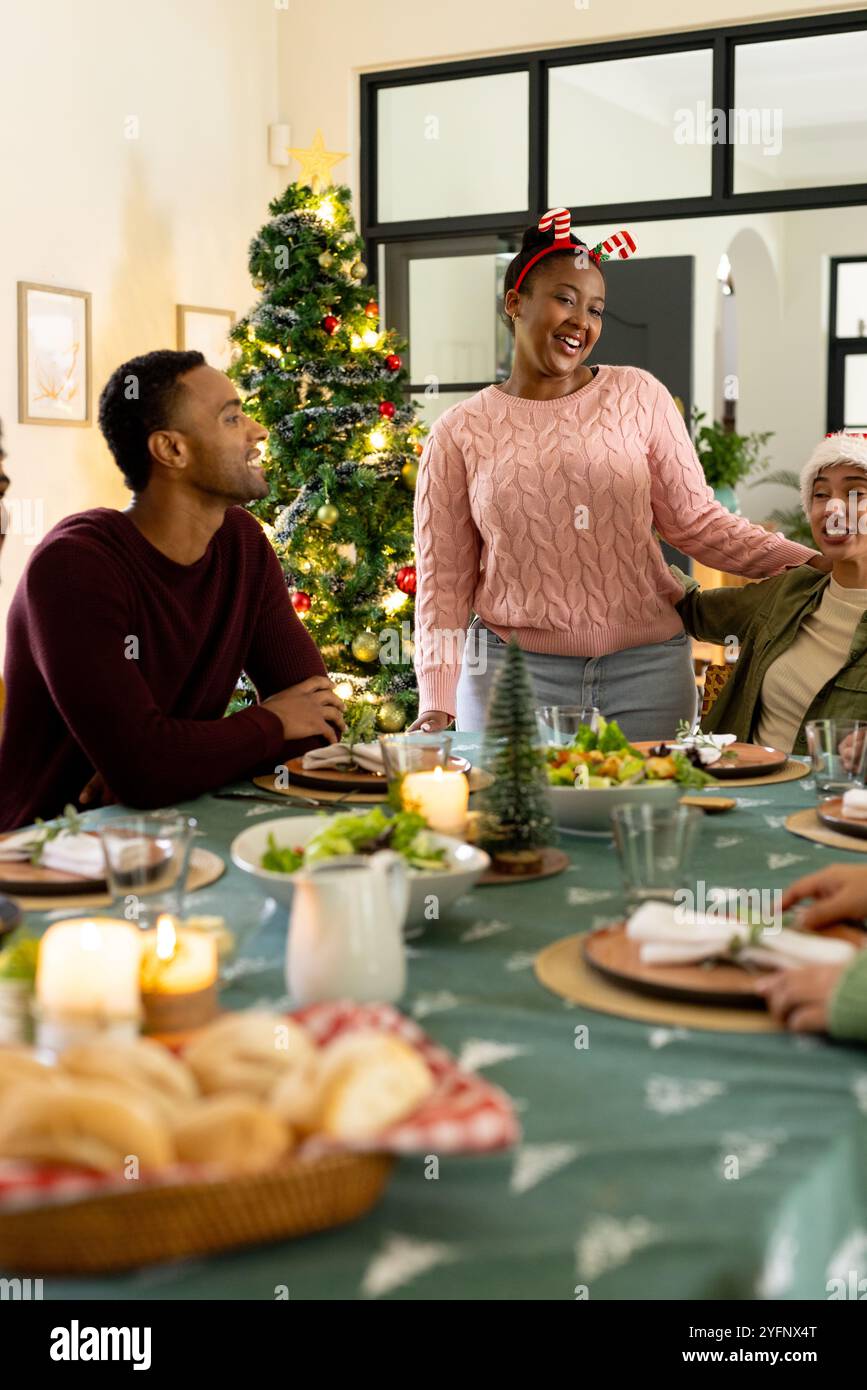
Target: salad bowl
(452,868)
(600,769)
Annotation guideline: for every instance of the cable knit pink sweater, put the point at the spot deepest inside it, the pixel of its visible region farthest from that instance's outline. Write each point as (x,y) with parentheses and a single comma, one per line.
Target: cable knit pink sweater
(539,516)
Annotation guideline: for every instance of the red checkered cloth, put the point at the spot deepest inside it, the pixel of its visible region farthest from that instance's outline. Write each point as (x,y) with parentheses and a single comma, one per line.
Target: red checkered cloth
(464,1114)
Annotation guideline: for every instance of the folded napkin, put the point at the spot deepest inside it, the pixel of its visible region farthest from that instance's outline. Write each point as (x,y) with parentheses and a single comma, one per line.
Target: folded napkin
(70,854)
(710,747)
(367,756)
(18,846)
(676,936)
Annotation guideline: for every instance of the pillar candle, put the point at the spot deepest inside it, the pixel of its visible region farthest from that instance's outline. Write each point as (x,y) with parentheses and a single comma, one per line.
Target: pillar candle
(441,797)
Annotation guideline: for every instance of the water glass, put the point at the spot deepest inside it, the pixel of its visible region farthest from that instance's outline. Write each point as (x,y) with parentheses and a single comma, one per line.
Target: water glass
(558,724)
(147,858)
(654,845)
(838,754)
(416,752)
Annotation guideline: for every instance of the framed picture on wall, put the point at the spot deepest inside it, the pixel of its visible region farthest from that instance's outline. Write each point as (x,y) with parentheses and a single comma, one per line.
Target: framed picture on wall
(54,371)
(206,331)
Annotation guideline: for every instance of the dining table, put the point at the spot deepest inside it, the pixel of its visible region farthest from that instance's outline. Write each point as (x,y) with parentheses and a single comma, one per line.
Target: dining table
(622,1184)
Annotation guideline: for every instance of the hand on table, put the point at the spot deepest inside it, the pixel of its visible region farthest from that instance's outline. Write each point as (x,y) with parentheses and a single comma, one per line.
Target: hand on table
(432,721)
(96,793)
(311,707)
(800,998)
(840,892)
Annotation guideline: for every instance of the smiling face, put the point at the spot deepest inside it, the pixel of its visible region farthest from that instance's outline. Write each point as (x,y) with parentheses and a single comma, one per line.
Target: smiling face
(218,443)
(838,512)
(558,320)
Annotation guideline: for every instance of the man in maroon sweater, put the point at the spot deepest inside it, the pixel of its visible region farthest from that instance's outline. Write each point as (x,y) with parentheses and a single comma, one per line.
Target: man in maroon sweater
(129,630)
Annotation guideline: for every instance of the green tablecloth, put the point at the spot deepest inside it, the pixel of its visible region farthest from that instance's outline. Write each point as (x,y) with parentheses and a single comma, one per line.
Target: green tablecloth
(620,1183)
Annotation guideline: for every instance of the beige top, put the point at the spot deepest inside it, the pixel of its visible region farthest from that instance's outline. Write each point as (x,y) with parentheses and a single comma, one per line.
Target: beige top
(819,651)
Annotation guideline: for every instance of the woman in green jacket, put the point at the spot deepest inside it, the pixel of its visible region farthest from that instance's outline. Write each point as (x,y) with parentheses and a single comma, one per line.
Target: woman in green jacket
(800,638)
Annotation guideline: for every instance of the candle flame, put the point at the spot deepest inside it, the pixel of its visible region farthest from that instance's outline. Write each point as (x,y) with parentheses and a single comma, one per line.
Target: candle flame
(167,938)
(438,772)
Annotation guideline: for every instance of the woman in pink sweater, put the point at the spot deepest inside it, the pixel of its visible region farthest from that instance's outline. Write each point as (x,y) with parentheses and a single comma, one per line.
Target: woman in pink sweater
(536,506)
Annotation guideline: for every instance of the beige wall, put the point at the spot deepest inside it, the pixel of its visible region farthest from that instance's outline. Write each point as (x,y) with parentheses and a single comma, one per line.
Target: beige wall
(143,224)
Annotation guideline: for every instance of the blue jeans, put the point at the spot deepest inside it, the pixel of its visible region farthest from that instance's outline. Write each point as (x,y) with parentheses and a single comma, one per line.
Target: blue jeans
(648,690)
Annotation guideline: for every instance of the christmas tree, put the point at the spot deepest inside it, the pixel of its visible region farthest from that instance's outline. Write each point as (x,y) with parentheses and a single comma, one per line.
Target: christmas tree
(515,819)
(342,458)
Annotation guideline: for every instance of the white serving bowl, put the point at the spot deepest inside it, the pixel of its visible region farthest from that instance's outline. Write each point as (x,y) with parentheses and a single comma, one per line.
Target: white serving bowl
(588,809)
(467,864)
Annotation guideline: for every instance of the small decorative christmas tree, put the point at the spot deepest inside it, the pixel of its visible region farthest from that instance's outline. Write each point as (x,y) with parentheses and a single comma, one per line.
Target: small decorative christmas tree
(515,820)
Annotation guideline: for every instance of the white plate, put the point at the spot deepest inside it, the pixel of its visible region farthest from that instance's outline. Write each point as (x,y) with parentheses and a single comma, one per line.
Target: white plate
(588,809)
(467,864)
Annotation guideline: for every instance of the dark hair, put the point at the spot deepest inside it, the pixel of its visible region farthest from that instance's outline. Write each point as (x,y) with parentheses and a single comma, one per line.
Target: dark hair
(139,397)
(532,242)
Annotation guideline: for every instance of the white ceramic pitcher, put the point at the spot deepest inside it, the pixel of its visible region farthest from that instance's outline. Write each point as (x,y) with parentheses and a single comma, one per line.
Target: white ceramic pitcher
(346,930)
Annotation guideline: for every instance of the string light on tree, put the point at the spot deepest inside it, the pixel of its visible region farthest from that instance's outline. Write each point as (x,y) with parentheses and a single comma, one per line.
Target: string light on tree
(370,337)
(377,439)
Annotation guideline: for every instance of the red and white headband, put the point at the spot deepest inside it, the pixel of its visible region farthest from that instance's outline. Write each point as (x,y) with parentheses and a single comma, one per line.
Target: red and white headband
(559,220)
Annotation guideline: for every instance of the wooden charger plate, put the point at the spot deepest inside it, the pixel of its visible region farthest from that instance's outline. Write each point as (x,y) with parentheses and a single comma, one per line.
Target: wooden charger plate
(610,952)
(831,813)
(340,780)
(752,759)
(19,876)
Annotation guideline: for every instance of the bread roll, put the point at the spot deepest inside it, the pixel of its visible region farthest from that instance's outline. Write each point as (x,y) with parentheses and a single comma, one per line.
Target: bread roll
(237,1134)
(137,1066)
(83,1126)
(369,1086)
(19,1064)
(247,1053)
(297,1095)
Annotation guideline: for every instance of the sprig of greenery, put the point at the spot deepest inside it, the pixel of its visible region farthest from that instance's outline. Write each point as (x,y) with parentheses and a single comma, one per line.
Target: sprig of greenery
(70,822)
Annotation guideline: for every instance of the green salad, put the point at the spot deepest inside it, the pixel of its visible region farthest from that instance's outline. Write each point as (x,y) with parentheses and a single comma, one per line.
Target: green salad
(405,832)
(604,757)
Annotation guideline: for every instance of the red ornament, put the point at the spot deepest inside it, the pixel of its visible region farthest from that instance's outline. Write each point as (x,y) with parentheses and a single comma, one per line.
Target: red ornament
(387,409)
(331,324)
(405,579)
(393,362)
(419,448)
(371,308)
(300,601)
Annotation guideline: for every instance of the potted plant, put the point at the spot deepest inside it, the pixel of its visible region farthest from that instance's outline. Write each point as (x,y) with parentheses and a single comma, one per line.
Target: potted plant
(727,457)
(791,521)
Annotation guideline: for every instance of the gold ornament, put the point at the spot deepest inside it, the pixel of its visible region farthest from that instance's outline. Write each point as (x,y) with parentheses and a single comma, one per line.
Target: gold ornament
(326,259)
(358,270)
(409,475)
(316,162)
(327,514)
(390,717)
(365,646)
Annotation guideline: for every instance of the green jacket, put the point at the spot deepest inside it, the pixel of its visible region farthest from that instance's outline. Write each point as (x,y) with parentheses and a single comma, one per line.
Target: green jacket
(847,1014)
(763,619)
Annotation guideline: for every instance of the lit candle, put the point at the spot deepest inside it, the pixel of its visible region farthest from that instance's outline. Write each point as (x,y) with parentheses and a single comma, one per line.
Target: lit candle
(87,980)
(178,978)
(441,797)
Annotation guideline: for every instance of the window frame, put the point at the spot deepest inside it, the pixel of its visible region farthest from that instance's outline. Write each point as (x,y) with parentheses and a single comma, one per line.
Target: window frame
(839,349)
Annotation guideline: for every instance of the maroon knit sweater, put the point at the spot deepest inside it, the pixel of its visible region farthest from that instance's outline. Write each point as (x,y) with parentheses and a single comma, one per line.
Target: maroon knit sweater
(123,661)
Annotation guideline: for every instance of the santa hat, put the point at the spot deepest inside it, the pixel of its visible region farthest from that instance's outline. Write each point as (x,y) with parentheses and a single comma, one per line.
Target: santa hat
(834,448)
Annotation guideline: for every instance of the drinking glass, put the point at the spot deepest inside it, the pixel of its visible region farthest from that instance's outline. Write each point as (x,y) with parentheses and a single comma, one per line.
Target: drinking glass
(558,724)
(838,753)
(403,753)
(146,864)
(654,845)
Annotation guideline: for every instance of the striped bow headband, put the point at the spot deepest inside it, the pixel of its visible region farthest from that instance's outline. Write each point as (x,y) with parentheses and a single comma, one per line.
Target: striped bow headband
(559,220)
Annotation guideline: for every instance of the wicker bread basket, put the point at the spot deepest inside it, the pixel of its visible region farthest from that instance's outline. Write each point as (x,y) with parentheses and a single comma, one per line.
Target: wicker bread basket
(122,1230)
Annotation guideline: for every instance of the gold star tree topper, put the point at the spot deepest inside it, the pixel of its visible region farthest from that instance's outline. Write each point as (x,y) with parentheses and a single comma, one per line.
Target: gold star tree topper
(316,163)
